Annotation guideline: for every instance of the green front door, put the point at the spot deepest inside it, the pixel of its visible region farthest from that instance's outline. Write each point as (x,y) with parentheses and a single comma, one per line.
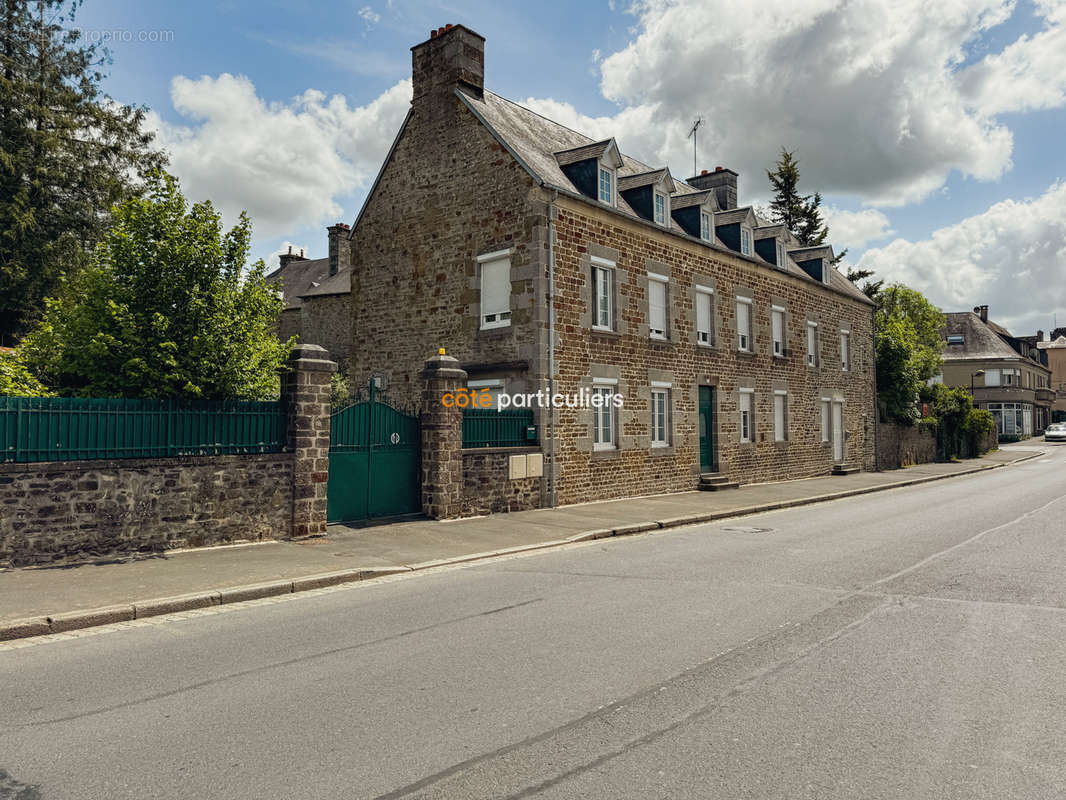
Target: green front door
(373,462)
(708,435)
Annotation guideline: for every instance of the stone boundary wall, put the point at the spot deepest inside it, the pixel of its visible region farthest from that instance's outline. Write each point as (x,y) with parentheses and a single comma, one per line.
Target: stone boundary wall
(902,445)
(55,512)
(487,487)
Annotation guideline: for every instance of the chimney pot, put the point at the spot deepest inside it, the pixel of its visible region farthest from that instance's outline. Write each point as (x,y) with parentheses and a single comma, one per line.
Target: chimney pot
(301,252)
(718,169)
(290,249)
(448,27)
(724,183)
(433,34)
(703,172)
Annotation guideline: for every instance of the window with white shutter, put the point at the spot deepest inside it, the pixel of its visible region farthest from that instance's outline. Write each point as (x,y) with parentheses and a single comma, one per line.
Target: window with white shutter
(602,294)
(660,416)
(704,316)
(657,320)
(812,344)
(495,289)
(780,416)
(747,419)
(777,324)
(744,324)
(845,351)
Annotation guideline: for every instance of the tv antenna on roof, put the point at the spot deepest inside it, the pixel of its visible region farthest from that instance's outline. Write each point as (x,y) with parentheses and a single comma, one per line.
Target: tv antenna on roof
(692,133)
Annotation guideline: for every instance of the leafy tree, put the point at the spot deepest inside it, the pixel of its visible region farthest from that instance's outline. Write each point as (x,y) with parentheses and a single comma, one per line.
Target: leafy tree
(67,154)
(908,349)
(164,310)
(16,379)
(871,289)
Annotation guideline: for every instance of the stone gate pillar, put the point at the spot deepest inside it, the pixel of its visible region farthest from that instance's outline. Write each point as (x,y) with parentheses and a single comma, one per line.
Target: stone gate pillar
(442,439)
(305,391)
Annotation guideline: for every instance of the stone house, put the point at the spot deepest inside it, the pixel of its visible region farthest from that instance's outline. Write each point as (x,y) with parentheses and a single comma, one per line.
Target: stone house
(1008,377)
(545,260)
(317,296)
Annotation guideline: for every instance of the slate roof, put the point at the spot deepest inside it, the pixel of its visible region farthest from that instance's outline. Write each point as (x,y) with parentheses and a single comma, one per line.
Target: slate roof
(341,283)
(627,182)
(298,278)
(694,199)
(733,215)
(980,340)
(538,144)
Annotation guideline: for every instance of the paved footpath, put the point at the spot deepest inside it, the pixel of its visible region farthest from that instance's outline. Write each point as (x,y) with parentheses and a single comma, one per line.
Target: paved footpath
(36,601)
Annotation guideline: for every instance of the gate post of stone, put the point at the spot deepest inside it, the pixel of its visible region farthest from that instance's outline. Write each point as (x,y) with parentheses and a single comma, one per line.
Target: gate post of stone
(305,393)
(442,438)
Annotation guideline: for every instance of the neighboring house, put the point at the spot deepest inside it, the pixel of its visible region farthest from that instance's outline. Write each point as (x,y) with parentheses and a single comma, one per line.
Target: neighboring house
(1016,382)
(317,296)
(1055,352)
(543,259)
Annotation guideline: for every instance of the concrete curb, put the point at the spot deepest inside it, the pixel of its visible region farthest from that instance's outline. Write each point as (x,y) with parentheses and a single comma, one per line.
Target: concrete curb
(89,618)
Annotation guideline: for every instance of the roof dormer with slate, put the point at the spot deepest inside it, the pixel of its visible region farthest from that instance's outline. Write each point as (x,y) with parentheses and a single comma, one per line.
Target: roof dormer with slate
(694,213)
(815,261)
(736,229)
(772,243)
(648,194)
(593,169)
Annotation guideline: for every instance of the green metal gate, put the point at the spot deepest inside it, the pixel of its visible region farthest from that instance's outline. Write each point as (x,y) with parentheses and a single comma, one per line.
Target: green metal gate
(374,461)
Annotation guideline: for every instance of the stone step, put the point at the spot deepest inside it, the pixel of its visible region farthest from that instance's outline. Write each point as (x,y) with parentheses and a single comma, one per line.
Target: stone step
(712,481)
(717,487)
(845,469)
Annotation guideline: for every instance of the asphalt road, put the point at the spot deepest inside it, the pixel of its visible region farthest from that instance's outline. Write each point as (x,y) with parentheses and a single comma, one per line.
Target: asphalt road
(908,644)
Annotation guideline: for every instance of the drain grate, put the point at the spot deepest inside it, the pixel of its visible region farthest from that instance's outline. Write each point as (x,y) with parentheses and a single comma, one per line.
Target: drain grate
(746,529)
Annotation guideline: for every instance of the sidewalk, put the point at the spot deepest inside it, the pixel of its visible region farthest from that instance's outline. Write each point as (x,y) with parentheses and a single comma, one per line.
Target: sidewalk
(35,601)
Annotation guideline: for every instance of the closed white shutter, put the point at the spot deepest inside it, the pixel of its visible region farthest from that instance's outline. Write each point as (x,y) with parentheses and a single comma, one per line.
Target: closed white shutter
(496,292)
(743,325)
(777,319)
(657,307)
(812,343)
(703,317)
(825,420)
(780,421)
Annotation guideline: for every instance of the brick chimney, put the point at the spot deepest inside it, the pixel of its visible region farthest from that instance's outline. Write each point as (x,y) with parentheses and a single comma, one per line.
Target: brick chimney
(287,258)
(982,312)
(452,56)
(340,253)
(724,183)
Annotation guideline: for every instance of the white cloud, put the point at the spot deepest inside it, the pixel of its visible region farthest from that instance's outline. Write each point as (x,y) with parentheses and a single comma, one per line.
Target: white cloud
(284,163)
(1011,257)
(869,93)
(369,16)
(853,229)
(1028,74)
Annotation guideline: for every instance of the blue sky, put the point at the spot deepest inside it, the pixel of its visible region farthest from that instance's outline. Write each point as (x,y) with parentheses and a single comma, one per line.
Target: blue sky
(934,134)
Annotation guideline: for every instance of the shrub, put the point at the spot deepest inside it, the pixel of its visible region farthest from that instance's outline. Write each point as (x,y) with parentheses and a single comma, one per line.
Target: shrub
(16,379)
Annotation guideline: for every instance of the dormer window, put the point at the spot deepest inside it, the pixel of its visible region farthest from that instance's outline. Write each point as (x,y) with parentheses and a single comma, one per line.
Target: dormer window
(660,208)
(745,241)
(956,339)
(606,186)
(706,226)
(780,256)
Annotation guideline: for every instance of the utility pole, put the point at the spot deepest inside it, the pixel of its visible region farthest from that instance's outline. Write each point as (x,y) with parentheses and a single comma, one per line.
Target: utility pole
(692,133)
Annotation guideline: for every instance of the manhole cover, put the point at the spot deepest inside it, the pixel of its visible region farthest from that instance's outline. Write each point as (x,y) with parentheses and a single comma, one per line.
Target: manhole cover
(746,529)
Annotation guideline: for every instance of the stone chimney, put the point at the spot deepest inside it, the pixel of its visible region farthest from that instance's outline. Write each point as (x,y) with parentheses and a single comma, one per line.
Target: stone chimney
(724,183)
(452,56)
(340,252)
(1040,336)
(287,258)
(982,312)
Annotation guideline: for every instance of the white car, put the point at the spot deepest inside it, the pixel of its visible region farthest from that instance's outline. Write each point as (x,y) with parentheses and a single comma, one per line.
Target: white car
(1056,432)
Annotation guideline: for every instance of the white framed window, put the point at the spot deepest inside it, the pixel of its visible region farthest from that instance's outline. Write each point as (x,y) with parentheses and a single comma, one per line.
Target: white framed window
(845,351)
(1012,377)
(991,377)
(606,185)
(657,319)
(660,414)
(660,208)
(1025,377)
(602,294)
(812,344)
(780,416)
(777,328)
(704,315)
(706,226)
(780,255)
(826,411)
(744,324)
(604,418)
(495,289)
(747,415)
(494,386)
(745,241)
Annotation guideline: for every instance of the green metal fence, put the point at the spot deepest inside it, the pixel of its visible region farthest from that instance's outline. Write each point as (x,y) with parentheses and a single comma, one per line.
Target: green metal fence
(77,428)
(490,428)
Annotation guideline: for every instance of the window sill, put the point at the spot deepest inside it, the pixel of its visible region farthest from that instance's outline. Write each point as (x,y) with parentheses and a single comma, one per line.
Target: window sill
(604,331)
(605,454)
(665,449)
(492,326)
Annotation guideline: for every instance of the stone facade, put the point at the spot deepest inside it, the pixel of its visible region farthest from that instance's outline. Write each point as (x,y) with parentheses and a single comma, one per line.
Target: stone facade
(452,190)
(326,320)
(442,439)
(904,445)
(76,510)
(489,488)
